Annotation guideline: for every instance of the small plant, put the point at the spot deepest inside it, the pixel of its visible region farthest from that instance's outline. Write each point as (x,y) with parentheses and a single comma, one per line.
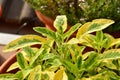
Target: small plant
(60,56)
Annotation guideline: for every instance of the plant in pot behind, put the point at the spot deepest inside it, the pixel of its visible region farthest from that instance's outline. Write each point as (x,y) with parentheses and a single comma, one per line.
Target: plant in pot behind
(62,57)
(80,10)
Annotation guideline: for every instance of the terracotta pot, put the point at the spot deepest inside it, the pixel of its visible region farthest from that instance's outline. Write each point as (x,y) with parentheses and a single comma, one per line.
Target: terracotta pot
(7,63)
(0,10)
(46,20)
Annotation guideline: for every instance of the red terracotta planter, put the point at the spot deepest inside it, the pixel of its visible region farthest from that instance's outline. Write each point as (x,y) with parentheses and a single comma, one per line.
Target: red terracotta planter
(46,20)
(8,62)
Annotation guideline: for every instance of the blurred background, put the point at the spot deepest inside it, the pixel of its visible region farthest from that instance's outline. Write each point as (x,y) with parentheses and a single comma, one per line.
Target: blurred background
(17,14)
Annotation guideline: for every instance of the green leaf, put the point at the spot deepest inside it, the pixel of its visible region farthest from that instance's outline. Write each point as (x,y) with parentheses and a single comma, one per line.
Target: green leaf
(13,66)
(71,30)
(76,52)
(60,74)
(23,41)
(88,40)
(26,72)
(7,76)
(32,60)
(71,67)
(35,74)
(21,61)
(19,75)
(92,58)
(87,54)
(115,42)
(60,23)
(109,41)
(47,75)
(28,52)
(95,25)
(79,62)
(105,75)
(47,56)
(73,41)
(23,74)
(110,54)
(45,32)
(99,35)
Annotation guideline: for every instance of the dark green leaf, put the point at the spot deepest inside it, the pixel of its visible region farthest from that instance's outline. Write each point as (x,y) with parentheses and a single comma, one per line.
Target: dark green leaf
(32,60)
(79,62)
(71,30)
(92,58)
(21,61)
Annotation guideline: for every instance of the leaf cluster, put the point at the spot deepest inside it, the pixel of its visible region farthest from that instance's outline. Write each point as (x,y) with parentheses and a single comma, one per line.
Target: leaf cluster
(62,57)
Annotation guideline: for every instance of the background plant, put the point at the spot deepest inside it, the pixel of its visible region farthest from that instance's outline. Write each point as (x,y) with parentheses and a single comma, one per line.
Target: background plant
(80,10)
(60,56)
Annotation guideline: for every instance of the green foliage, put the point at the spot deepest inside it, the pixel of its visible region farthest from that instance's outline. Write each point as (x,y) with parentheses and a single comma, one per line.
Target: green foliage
(63,57)
(80,10)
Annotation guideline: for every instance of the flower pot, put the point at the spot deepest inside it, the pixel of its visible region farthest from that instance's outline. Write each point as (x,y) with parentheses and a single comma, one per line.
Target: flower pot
(7,63)
(46,20)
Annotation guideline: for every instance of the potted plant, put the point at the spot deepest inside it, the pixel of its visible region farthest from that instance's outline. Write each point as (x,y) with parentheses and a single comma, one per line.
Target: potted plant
(62,57)
(77,11)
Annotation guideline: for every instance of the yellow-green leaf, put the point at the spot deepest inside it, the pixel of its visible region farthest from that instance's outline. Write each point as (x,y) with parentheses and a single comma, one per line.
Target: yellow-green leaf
(35,74)
(95,25)
(23,41)
(60,74)
(115,41)
(60,23)
(49,73)
(13,66)
(110,54)
(110,40)
(73,41)
(7,76)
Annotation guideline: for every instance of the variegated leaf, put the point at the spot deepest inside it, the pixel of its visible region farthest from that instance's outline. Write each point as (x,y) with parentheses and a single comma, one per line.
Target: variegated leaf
(95,25)
(21,61)
(35,74)
(13,66)
(23,41)
(45,32)
(110,54)
(72,30)
(60,23)
(60,74)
